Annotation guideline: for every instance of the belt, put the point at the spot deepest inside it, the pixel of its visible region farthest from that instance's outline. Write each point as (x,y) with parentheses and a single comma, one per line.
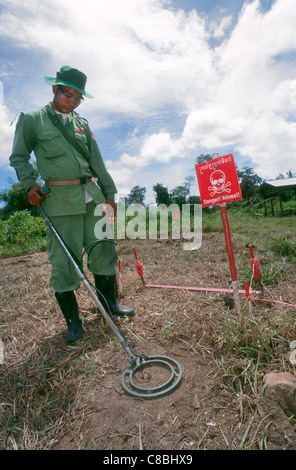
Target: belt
(67,182)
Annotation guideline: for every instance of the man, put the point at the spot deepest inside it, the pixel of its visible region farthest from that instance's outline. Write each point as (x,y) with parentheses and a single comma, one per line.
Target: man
(74,195)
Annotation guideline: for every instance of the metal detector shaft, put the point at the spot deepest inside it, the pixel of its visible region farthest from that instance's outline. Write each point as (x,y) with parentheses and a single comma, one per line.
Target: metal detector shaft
(86,284)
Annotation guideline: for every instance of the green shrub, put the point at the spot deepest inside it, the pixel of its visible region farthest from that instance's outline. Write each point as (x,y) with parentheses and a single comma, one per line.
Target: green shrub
(3,230)
(20,227)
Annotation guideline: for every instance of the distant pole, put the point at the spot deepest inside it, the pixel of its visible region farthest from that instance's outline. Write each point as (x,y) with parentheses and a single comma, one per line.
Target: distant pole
(281,205)
(231,259)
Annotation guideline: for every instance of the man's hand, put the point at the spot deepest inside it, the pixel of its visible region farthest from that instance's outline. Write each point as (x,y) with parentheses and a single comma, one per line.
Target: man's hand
(34,197)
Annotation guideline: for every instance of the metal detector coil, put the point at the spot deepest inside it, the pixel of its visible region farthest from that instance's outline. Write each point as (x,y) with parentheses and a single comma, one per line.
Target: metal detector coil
(138,363)
(132,386)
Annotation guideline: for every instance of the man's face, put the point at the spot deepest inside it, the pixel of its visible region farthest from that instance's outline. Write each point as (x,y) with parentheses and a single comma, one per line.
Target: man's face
(65,99)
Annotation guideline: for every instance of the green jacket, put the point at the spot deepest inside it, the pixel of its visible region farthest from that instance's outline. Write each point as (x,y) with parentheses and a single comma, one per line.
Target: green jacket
(58,160)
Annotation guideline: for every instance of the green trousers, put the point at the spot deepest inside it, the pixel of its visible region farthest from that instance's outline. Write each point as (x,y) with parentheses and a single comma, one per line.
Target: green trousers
(78,232)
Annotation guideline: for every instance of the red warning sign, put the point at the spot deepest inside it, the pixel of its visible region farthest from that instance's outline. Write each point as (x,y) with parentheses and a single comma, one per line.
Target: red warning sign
(218,181)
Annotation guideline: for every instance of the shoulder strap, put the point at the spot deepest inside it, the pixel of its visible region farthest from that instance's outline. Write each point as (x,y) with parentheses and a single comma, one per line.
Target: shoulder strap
(68,137)
(81,149)
(88,134)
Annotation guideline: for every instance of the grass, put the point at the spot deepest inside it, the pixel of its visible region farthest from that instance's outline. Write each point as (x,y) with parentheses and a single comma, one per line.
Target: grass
(259,343)
(248,354)
(28,247)
(43,386)
(262,339)
(21,234)
(273,235)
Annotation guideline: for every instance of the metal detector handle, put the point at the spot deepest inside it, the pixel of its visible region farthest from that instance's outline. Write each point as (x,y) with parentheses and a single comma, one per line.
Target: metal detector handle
(137,363)
(79,271)
(66,250)
(44,191)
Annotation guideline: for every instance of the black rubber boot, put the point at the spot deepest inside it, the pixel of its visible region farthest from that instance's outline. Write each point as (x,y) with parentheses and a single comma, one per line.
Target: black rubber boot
(68,305)
(106,286)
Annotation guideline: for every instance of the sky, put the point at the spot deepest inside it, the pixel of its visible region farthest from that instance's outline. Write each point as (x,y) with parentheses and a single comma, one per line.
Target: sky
(172,79)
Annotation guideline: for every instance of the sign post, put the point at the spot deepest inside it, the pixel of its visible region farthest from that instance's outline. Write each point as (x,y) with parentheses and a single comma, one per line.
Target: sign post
(218,184)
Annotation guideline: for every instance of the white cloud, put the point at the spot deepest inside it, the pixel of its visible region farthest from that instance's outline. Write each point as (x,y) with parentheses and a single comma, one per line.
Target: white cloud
(138,55)
(271,143)
(132,162)
(218,29)
(144,59)
(214,127)
(161,147)
(121,173)
(6,136)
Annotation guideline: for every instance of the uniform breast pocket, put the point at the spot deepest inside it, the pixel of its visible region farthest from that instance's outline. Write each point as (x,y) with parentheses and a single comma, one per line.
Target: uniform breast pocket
(51,144)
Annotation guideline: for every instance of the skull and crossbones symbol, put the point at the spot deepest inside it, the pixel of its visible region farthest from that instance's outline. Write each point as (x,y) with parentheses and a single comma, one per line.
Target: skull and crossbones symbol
(217,179)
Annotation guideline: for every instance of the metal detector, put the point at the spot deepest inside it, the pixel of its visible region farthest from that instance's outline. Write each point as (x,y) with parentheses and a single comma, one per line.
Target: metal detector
(135,378)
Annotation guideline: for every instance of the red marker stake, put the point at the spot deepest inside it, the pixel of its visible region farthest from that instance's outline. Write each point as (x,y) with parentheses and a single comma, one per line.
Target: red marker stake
(228,242)
(248,297)
(255,265)
(231,259)
(119,276)
(140,267)
(230,254)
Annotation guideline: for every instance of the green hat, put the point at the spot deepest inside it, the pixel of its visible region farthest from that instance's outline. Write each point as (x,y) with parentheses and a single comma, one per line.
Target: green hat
(73,78)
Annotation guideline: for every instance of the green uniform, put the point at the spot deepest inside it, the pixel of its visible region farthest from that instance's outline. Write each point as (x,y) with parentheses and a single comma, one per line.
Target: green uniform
(67,207)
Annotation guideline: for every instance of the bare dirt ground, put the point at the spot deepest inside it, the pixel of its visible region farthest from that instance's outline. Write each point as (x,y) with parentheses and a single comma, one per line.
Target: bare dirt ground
(55,396)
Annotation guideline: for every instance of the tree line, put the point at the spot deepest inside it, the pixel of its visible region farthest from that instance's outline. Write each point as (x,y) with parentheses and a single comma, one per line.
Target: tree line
(14,198)
(252,187)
